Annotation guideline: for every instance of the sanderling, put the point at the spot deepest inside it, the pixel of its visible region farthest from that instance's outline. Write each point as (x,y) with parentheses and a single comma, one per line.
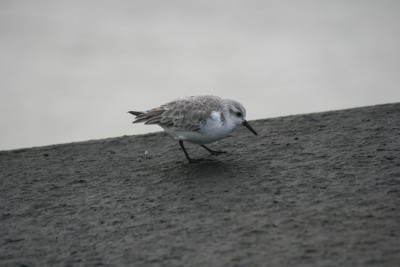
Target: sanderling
(197,119)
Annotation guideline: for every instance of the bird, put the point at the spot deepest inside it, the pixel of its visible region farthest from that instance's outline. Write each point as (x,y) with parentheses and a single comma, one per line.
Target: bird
(201,120)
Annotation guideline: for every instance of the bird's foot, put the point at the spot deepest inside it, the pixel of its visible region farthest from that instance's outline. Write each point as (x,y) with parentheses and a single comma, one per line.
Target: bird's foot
(214,152)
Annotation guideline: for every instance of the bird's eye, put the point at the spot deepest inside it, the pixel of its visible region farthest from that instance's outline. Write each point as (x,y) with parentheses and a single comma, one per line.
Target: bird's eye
(239,114)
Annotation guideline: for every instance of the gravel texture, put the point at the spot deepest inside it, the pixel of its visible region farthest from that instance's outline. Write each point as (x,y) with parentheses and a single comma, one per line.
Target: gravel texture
(316,190)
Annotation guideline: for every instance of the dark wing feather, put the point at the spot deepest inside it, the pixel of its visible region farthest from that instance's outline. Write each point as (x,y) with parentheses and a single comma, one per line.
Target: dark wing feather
(136,113)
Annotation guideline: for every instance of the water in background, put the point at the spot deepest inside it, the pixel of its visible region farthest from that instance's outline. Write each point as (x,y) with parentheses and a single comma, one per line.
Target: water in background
(70,70)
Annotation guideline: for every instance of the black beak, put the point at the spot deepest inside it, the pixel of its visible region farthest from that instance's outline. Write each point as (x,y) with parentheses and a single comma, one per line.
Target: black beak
(245,123)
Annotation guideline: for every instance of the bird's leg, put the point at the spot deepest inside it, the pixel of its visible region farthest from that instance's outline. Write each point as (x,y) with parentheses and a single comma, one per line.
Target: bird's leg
(187,155)
(213,152)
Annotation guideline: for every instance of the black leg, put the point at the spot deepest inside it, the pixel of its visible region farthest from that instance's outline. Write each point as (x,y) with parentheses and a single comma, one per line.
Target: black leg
(213,152)
(186,154)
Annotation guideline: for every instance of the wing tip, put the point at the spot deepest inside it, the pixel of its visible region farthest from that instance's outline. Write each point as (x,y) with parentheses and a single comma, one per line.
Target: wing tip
(135,113)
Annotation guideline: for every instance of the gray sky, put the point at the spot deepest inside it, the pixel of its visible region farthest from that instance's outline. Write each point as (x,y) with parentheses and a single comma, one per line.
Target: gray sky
(70,70)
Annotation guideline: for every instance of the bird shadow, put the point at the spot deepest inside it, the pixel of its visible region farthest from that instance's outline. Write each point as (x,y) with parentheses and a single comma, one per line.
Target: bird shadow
(209,170)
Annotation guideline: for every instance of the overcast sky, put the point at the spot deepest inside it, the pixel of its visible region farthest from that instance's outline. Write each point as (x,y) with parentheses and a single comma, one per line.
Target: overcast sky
(70,70)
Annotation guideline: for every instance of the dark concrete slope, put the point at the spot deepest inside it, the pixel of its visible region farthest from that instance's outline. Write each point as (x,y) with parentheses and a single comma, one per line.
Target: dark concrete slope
(318,189)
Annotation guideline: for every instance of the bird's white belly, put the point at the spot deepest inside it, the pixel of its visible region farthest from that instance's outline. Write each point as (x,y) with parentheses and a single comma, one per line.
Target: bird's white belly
(203,136)
(211,131)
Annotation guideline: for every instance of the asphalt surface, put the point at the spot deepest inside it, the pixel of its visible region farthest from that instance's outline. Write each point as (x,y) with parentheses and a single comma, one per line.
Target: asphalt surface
(313,190)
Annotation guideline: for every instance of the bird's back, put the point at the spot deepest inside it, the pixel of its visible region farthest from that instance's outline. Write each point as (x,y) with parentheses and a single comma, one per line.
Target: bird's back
(189,113)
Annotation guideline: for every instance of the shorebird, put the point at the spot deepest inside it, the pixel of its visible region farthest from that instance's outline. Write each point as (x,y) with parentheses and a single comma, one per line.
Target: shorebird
(197,119)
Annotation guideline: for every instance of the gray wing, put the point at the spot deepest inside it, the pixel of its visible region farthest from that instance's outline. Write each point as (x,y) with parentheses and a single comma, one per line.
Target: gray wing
(185,114)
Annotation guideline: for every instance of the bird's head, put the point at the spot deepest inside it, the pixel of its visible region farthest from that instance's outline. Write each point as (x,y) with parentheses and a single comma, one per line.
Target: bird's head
(237,114)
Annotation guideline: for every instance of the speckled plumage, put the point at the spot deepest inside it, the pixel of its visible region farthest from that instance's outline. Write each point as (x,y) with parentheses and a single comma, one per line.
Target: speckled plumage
(189,113)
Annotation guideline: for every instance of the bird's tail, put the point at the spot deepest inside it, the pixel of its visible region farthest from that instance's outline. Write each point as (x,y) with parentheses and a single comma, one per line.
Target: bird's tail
(152,116)
(137,114)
